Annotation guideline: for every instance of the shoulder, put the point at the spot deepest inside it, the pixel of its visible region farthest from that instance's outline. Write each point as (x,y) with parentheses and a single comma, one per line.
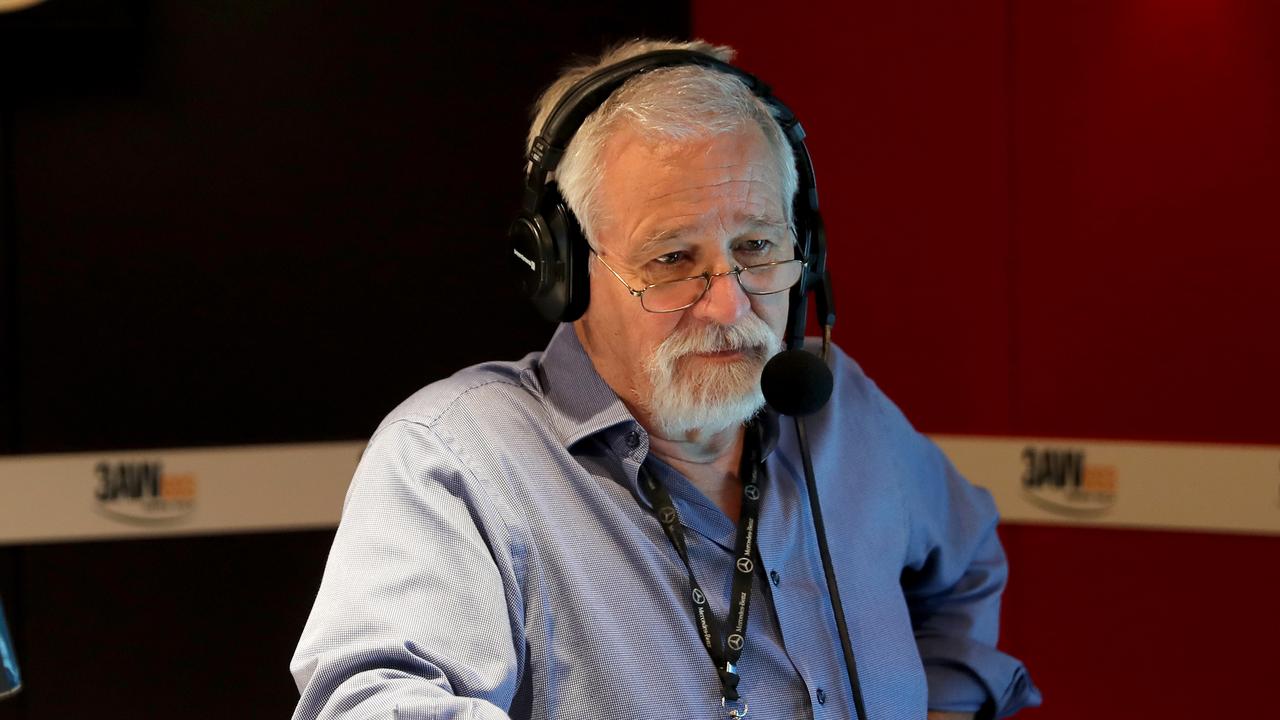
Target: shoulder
(855,392)
(491,393)
(886,438)
(861,417)
(455,442)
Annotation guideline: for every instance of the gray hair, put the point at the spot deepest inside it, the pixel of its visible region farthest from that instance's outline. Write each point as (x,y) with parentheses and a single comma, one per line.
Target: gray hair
(681,103)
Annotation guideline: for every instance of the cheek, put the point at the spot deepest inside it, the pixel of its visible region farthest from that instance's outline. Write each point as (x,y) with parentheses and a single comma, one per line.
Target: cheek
(773,310)
(629,332)
(648,330)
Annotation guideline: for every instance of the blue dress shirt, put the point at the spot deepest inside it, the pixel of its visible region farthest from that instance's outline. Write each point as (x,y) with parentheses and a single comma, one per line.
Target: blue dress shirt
(496,559)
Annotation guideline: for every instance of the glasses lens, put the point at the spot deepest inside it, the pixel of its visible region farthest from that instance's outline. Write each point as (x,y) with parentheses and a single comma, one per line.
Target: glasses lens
(772,278)
(673,295)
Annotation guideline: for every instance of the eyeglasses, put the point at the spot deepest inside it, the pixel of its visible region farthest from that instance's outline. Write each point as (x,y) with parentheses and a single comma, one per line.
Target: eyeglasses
(669,296)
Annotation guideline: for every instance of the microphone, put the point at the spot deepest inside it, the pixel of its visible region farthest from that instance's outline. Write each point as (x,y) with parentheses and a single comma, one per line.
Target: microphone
(796,383)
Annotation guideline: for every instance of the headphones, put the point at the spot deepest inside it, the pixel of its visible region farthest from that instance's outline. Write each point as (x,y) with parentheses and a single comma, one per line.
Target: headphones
(548,248)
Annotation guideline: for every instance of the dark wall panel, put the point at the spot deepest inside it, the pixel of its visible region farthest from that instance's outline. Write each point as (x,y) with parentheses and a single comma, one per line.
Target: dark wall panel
(1147,168)
(1146,175)
(287,217)
(1059,218)
(904,105)
(244,222)
(1141,624)
(193,627)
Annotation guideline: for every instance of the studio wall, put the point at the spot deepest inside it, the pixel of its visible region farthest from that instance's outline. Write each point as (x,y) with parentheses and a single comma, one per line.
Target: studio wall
(258,222)
(242,223)
(1059,219)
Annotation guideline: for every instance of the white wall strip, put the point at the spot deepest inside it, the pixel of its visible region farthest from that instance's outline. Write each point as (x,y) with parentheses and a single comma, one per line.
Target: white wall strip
(1175,486)
(94,496)
(89,496)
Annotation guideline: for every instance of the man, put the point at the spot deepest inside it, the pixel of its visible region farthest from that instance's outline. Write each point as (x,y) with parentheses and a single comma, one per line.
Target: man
(545,538)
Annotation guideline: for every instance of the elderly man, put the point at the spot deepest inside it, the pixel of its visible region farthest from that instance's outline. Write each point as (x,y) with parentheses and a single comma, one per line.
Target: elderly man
(583,532)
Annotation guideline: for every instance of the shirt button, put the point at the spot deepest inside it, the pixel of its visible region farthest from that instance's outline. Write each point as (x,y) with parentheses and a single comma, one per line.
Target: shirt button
(633,439)
(773,575)
(822,696)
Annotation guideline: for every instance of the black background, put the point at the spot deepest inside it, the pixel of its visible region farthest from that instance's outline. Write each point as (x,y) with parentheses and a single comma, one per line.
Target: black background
(244,222)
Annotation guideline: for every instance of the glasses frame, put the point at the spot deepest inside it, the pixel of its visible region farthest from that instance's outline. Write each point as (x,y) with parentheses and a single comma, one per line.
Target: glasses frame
(706,278)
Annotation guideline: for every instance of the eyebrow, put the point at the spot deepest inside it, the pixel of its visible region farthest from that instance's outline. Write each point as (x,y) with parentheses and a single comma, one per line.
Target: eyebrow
(750,223)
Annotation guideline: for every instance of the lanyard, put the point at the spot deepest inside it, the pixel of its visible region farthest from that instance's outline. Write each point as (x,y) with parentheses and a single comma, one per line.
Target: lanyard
(724,651)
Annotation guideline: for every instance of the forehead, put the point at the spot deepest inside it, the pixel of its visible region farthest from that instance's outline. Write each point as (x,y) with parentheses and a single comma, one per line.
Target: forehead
(708,188)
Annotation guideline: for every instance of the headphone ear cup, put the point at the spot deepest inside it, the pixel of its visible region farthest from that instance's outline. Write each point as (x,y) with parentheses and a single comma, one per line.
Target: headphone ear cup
(817,266)
(525,235)
(534,260)
(812,238)
(574,282)
(549,255)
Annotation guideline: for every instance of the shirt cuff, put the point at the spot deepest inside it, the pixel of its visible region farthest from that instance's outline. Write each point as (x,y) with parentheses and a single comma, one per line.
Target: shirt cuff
(998,688)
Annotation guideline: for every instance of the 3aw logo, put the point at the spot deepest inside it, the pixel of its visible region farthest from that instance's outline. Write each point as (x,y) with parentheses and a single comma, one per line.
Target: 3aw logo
(1060,481)
(142,491)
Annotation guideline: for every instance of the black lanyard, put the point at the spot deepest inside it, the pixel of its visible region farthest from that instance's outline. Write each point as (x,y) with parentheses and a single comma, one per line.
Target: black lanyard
(724,651)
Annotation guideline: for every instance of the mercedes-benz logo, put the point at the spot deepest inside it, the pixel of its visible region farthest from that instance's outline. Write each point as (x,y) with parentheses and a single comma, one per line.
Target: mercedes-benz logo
(752,492)
(745,565)
(698,597)
(734,642)
(667,515)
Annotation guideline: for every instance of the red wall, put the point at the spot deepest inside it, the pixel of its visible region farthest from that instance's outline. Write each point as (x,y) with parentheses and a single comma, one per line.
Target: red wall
(1053,218)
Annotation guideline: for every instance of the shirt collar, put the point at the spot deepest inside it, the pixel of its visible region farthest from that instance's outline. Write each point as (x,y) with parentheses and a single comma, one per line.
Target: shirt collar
(582,404)
(770,428)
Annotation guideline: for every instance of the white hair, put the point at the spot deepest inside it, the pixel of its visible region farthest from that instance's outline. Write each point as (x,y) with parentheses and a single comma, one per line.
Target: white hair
(682,103)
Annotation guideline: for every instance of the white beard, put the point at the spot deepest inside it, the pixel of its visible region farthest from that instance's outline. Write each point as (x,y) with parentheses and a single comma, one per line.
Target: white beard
(709,396)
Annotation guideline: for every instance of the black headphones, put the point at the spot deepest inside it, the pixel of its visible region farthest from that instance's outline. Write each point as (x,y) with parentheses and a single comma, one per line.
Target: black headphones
(547,245)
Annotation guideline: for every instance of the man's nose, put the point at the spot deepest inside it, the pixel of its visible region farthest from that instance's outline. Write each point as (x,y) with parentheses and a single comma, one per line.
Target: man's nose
(724,302)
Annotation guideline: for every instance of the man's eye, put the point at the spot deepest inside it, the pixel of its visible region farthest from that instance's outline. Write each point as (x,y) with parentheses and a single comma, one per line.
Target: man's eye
(671,258)
(758,247)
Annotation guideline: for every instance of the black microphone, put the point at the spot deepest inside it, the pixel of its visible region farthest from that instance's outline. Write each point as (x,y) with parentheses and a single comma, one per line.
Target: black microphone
(796,383)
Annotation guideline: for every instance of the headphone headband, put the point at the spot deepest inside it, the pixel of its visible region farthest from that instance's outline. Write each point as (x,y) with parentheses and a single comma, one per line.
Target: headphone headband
(590,93)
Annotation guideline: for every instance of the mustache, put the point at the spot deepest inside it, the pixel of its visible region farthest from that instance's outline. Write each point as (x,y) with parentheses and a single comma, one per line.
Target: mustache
(751,338)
